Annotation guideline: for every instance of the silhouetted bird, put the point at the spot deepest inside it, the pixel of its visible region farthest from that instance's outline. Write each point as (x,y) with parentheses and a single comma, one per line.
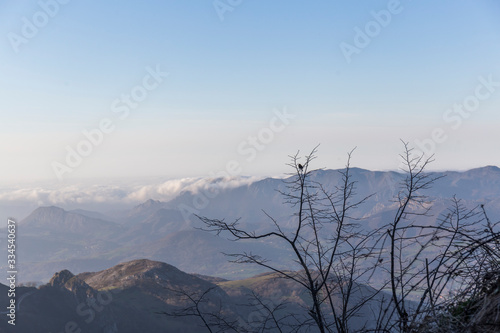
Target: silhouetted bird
(300,166)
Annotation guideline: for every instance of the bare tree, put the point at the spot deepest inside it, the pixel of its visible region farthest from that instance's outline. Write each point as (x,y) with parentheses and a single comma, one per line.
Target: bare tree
(411,203)
(433,266)
(327,241)
(465,285)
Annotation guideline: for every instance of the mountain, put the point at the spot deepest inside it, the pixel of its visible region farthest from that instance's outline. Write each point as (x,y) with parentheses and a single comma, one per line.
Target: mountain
(52,239)
(141,212)
(50,235)
(134,296)
(141,272)
(55,307)
(128,298)
(475,184)
(56,221)
(55,225)
(249,202)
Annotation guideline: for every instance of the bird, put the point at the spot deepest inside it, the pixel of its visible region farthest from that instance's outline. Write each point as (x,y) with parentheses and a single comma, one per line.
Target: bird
(300,167)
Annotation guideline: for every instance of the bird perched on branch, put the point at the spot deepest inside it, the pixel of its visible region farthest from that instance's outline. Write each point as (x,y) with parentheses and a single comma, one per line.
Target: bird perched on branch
(300,167)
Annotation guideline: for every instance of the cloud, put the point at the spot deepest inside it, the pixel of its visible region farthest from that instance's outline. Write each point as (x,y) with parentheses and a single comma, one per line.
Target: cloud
(114,194)
(171,188)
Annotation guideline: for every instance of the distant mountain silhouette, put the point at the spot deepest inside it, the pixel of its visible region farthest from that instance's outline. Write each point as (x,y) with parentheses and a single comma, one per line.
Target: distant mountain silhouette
(58,221)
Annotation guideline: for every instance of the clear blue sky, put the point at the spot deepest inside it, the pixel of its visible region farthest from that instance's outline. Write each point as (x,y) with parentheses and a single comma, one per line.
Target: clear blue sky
(225,78)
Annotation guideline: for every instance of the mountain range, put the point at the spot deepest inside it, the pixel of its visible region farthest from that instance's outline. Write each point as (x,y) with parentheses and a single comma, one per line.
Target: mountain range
(52,239)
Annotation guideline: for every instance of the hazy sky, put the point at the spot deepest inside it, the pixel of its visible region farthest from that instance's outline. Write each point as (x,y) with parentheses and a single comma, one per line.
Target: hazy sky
(195,88)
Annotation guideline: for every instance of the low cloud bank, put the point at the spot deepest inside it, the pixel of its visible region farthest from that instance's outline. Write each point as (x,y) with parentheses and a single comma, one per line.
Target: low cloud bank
(71,195)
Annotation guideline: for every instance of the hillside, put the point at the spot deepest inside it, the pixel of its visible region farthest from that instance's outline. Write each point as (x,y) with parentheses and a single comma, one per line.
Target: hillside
(132,297)
(126,298)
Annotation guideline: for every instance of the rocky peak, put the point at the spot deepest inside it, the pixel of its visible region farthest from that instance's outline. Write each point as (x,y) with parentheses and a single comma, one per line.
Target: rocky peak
(67,280)
(60,278)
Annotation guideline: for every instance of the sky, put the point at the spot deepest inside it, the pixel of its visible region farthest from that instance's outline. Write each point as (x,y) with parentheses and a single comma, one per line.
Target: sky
(113,90)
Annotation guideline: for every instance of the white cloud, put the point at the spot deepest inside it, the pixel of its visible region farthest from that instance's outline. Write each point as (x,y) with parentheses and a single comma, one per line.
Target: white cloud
(169,189)
(113,194)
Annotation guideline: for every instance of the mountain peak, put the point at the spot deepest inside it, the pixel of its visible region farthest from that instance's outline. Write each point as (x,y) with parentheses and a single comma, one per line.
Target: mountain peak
(61,278)
(149,203)
(49,210)
(60,222)
(144,210)
(142,265)
(47,214)
(489,170)
(136,272)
